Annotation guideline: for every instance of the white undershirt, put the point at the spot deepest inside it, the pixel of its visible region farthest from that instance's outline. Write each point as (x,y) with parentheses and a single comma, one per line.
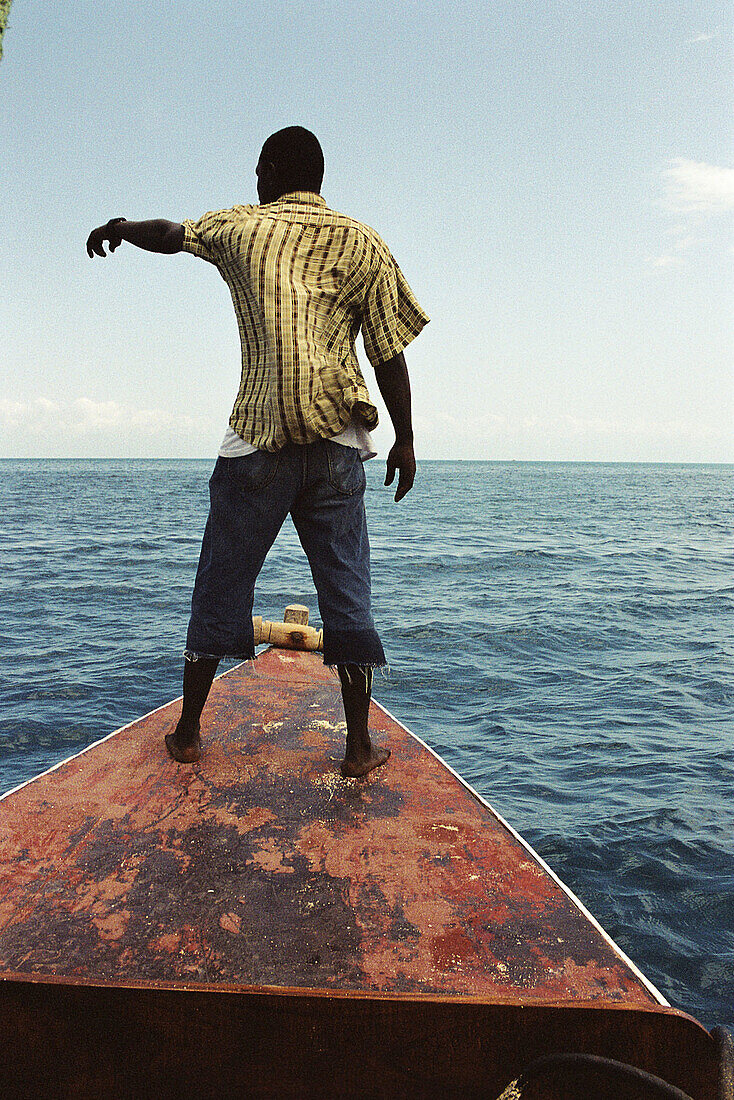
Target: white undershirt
(354,435)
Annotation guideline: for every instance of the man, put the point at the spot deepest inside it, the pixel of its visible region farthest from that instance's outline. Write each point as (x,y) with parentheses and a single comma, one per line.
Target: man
(303,280)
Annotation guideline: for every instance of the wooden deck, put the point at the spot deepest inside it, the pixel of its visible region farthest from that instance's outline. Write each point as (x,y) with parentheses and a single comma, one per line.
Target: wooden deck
(255,917)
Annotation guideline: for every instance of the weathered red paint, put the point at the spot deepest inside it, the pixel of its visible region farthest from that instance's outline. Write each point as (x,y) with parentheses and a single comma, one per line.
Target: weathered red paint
(255,921)
(262,866)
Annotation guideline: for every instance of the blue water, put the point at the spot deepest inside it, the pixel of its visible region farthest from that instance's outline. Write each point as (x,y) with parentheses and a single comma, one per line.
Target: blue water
(560,633)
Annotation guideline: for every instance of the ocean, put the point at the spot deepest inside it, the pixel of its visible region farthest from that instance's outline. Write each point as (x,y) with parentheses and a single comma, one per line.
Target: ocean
(561,633)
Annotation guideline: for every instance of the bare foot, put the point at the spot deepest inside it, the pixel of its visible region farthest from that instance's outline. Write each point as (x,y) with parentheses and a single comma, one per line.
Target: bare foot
(185,752)
(353,769)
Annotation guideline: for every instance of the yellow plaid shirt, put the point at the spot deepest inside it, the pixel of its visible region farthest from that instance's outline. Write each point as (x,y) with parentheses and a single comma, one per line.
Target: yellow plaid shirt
(304,279)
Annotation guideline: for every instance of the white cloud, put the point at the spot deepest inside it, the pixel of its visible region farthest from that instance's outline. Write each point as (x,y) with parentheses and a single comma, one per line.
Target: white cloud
(695,187)
(666,260)
(86,417)
(81,426)
(682,241)
(693,191)
(703,37)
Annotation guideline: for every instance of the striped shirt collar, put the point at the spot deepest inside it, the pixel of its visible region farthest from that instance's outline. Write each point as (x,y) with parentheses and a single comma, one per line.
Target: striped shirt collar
(308,197)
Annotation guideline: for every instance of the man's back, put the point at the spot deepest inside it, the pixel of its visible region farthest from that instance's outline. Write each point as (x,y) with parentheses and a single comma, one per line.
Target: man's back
(304,279)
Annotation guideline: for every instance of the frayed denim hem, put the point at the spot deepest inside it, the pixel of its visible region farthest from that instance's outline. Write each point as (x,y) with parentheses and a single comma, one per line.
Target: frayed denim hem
(363,666)
(189,655)
(353,647)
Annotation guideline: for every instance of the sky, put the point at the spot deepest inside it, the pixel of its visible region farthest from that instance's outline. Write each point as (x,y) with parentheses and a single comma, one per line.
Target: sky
(554,177)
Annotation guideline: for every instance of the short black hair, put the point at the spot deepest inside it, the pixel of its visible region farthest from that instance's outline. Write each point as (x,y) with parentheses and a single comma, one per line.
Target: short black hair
(298,158)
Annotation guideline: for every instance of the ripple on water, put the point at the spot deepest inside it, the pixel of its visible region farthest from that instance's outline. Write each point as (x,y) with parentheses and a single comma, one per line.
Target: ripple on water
(557,632)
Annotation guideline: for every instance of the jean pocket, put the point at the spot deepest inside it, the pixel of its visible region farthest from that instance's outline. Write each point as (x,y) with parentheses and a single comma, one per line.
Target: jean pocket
(346,469)
(252,472)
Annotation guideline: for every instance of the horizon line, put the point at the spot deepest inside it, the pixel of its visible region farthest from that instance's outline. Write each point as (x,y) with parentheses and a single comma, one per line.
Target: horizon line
(495,461)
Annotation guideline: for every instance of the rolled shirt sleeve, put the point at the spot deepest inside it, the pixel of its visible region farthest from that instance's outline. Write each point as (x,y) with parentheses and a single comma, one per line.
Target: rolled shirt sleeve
(391,315)
(202,238)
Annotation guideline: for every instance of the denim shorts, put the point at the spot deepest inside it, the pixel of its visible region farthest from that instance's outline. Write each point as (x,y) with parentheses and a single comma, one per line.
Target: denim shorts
(322,486)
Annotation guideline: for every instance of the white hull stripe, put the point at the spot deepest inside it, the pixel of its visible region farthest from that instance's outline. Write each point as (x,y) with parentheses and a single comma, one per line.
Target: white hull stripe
(541,862)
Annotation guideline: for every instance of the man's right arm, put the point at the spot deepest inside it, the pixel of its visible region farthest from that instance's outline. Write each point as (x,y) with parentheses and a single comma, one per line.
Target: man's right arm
(394,385)
(157,235)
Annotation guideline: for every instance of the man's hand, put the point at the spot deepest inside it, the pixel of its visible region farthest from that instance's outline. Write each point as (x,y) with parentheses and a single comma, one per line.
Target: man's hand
(97,237)
(156,235)
(401,458)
